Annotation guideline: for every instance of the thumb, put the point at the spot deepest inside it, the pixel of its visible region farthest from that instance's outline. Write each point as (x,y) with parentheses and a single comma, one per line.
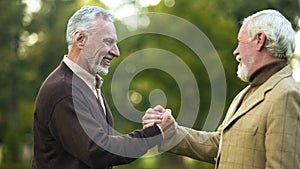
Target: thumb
(169,111)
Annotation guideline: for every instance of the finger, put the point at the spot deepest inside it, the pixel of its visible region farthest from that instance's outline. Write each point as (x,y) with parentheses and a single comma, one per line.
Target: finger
(148,125)
(168,121)
(152,111)
(159,108)
(152,121)
(167,114)
(169,111)
(152,116)
(167,126)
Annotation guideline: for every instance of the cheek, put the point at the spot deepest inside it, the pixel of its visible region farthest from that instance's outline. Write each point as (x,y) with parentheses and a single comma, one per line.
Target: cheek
(243,49)
(90,50)
(245,54)
(99,60)
(101,50)
(94,46)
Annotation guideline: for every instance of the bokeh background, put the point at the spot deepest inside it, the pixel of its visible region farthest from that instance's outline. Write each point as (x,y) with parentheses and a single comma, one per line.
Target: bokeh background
(32,44)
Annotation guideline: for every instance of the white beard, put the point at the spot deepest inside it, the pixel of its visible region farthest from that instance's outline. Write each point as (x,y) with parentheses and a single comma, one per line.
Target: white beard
(101,70)
(242,73)
(96,67)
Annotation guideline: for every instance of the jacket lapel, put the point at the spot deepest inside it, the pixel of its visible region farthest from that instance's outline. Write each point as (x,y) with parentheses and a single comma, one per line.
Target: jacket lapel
(252,101)
(234,105)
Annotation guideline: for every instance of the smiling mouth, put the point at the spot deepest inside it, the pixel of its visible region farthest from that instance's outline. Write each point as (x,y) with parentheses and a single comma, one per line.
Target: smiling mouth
(238,58)
(106,61)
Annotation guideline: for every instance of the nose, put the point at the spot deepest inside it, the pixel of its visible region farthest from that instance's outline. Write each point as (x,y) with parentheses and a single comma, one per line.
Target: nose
(114,50)
(235,52)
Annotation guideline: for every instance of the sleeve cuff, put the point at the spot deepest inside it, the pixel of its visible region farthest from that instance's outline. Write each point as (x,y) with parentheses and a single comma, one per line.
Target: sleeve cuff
(161,131)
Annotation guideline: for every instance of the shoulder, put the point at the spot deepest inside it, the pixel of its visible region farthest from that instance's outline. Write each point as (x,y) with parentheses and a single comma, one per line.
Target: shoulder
(283,84)
(56,87)
(287,87)
(284,98)
(58,83)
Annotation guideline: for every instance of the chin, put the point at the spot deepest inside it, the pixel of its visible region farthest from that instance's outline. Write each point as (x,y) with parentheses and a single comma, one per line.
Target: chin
(242,73)
(102,70)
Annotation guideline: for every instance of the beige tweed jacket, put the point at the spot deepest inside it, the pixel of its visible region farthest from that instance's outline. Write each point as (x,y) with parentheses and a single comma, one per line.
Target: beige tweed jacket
(263,133)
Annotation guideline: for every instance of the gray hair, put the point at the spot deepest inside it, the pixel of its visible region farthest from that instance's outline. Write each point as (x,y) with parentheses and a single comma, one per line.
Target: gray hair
(278,30)
(83,20)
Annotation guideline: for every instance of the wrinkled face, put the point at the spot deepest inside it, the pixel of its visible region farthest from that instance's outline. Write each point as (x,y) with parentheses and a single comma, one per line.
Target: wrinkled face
(101,47)
(244,55)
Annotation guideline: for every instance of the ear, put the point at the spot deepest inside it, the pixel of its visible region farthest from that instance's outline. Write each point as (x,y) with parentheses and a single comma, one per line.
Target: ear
(80,39)
(260,41)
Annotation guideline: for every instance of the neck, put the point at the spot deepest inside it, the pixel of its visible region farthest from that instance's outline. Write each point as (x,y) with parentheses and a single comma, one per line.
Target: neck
(266,71)
(263,59)
(74,56)
(79,59)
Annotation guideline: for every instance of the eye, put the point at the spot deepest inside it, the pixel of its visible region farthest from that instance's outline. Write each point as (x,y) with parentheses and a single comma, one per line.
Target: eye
(109,41)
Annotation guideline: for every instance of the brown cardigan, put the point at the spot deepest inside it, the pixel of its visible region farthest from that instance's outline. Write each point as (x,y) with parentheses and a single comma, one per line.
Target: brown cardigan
(71,130)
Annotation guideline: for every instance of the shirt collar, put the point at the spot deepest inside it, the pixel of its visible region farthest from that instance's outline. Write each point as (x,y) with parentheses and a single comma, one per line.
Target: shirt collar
(88,78)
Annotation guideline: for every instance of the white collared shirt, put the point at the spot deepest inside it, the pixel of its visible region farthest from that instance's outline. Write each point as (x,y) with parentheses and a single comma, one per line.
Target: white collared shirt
(88,78)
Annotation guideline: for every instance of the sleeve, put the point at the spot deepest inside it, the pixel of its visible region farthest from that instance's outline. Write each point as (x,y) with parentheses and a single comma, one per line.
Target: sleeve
(196,144)
(282,140)
(88,140)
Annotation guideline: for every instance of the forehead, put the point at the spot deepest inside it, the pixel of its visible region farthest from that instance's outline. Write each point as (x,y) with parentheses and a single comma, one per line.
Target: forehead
(243,32)
(104,28)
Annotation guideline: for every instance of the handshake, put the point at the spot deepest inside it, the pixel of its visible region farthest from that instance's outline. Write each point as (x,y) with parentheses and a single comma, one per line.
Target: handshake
(161,117)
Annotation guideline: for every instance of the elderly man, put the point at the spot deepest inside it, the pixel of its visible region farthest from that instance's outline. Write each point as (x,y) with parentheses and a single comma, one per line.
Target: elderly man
(72,120)
(262,126)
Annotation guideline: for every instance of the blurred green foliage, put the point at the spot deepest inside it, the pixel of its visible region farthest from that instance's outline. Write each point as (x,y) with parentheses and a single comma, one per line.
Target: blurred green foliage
(33,44)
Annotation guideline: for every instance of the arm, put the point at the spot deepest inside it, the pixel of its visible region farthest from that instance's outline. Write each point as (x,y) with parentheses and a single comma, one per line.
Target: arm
(87,139)
(199,145)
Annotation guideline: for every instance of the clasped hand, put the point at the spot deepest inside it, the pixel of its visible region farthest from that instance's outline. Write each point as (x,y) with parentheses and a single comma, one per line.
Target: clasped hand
(162,117)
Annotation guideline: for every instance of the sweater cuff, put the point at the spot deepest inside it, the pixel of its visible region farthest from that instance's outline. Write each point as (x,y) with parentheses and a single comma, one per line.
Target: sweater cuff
(154,135)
